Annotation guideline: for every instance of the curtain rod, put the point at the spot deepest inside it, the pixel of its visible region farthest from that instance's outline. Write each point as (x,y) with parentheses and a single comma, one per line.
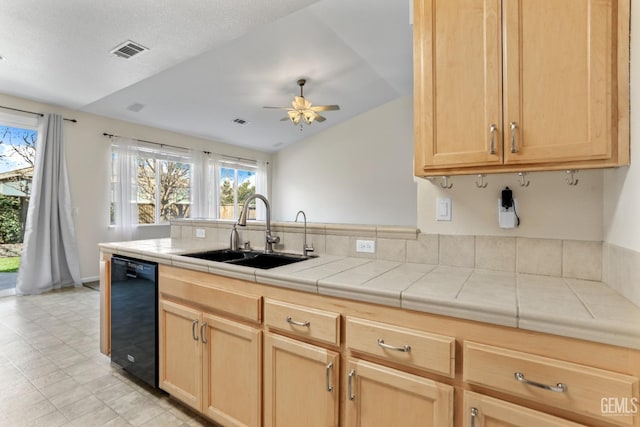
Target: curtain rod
(33,112)
(110,135)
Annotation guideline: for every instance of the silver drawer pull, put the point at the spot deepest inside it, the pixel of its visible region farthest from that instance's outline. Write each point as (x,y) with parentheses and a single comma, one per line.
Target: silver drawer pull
(328,378)
(202,333)
(492,138)
(352,373)
(194,324)
(474,414)
(404,349)
(295,322)
(514,146)
(558,388)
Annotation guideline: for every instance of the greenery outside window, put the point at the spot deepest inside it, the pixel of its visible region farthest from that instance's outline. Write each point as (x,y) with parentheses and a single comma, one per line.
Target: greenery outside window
(237,184)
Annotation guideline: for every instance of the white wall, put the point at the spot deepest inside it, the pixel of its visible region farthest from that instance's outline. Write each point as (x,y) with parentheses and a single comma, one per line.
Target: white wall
(358,172)
(548,207)
(88,162)
(622,186)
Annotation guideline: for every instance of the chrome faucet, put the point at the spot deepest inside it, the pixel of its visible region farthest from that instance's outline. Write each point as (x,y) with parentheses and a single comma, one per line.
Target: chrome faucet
(305,249)
(269,240)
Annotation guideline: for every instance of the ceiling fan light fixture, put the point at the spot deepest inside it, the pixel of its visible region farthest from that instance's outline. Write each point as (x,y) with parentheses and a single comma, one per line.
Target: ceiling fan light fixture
(302,109)
(309,116)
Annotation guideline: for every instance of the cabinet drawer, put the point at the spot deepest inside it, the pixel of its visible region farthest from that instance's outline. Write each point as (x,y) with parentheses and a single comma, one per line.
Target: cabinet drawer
(233,303)
(578,388)
(318,325)
(480,410)
(423,350)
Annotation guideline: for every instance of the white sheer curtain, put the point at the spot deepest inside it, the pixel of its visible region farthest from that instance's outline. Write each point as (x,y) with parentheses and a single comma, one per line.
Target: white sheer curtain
(262,187)
(50,252)
(203,188)
(126,191)
(215,183)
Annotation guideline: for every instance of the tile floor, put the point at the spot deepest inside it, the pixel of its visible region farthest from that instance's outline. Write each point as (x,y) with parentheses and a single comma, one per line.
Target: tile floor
(53,374)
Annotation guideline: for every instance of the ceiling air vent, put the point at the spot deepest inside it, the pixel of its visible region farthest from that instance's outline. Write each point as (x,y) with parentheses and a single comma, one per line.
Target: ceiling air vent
(241,122)
(128,49)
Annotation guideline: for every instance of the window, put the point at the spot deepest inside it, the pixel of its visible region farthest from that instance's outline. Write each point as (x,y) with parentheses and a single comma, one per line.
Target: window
(237,184)
(157,185)
(162,182)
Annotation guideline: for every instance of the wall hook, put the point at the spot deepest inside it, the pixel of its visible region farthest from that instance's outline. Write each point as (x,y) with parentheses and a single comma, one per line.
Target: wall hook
(522,181)
(480,182)
(445,183)
(572,179)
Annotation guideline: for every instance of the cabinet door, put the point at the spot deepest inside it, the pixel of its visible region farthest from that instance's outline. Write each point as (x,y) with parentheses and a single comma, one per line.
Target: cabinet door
(180,355)
(559,80)
(484,411)
(232,392)
(457,83)
(300,383)
(381,396)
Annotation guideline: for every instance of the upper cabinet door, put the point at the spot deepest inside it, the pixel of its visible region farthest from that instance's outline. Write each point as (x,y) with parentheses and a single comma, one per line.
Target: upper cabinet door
(559,59)
(458,83)
(520,85)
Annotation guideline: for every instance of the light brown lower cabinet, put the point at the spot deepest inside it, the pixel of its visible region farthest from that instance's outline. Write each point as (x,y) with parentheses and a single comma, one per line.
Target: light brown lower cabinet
(300,383)
(382,396)
(484,411)
(211,363)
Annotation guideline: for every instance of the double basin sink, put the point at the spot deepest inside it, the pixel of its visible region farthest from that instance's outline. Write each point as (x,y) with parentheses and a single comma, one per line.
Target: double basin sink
(255,259)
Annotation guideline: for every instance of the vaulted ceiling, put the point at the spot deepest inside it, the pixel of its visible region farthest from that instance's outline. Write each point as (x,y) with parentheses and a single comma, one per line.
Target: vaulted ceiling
(209,62)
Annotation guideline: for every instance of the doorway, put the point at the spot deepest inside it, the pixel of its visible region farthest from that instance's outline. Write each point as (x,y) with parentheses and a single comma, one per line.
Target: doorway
(17,158)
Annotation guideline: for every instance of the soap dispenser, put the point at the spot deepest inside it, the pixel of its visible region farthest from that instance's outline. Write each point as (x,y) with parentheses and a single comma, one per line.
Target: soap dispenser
(234,239)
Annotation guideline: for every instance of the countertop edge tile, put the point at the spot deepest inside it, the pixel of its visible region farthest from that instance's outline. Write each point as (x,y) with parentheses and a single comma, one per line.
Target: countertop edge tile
(360,293)
(453,308)
(580,331)
(295,284)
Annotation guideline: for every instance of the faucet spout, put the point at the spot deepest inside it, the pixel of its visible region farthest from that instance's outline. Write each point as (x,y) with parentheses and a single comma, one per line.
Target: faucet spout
(269,240)
(305,248)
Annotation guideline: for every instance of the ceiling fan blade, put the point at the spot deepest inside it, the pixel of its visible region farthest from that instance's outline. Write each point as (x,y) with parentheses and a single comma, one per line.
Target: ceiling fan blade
(285,119)
(279,108)
(320,118)
(325,108)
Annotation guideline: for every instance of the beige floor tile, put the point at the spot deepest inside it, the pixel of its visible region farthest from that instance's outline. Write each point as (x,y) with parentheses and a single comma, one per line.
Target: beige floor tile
(52,373)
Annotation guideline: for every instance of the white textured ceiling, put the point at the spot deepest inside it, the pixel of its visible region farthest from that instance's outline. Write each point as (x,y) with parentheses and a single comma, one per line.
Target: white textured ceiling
(209,61)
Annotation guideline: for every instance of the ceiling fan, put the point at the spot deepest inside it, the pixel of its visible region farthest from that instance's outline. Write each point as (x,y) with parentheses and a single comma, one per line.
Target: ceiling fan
(302,110)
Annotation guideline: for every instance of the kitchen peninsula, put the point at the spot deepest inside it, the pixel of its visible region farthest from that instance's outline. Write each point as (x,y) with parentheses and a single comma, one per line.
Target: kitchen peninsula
(363,319)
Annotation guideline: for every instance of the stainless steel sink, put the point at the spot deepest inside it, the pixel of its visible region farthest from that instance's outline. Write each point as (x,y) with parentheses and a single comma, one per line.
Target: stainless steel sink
(253,259)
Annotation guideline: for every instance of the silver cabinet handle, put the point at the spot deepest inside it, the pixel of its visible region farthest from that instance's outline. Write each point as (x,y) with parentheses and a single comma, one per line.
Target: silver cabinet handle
(404,348)
(352,373)
(294,322)
(328,377)
(514,147)
(474,414)
(492,138)
(558,388)
(193,330)
(202,334)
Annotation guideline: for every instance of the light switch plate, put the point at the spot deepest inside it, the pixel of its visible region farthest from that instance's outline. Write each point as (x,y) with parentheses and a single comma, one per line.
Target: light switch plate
(443,209)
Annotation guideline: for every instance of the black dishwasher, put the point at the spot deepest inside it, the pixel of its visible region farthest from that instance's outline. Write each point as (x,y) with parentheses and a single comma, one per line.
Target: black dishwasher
(134,317)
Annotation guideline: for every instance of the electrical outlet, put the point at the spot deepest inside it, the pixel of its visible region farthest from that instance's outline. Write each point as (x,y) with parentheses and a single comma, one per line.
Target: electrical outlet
(367,246)
(200,233)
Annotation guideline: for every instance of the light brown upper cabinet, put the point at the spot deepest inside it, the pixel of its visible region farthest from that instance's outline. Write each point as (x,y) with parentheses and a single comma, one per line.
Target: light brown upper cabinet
(517,85)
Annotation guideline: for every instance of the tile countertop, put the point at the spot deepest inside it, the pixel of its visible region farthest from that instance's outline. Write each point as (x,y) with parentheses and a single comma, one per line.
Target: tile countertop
(569,307)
